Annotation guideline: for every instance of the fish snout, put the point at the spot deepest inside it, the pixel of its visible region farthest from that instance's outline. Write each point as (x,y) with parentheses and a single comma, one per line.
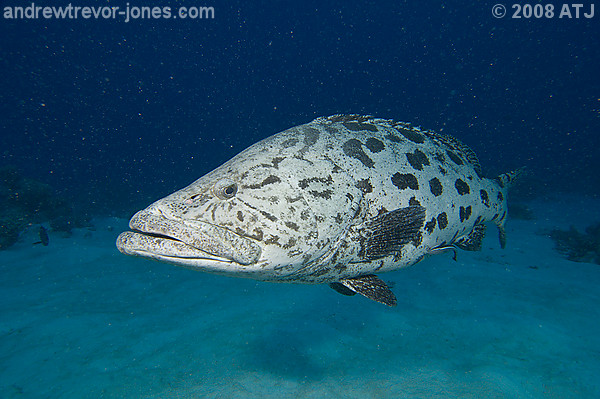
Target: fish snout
(215,241)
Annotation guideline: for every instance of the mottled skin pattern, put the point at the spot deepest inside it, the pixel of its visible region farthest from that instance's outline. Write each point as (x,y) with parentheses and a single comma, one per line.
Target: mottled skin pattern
(325,201)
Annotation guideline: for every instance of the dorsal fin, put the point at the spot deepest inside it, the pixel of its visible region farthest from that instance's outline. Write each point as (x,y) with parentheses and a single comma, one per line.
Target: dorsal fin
(455,144)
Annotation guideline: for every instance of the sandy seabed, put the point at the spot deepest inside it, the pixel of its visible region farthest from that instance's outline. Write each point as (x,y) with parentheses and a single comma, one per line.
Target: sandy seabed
(78,319)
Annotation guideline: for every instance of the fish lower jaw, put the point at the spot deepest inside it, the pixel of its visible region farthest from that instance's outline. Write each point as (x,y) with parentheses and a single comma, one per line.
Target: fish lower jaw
(164,248)
(207,263)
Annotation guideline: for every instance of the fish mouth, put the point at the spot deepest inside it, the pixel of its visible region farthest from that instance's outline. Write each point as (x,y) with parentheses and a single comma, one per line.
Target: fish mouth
(185,241)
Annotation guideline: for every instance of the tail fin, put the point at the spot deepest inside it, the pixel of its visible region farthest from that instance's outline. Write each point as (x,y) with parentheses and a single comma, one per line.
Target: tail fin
(506,180)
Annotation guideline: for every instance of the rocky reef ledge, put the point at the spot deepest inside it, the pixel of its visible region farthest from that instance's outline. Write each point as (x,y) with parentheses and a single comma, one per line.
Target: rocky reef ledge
(26,201)
(577,246)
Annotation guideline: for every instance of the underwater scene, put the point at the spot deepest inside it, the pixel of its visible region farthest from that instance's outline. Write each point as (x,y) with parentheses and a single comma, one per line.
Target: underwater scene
(359,199)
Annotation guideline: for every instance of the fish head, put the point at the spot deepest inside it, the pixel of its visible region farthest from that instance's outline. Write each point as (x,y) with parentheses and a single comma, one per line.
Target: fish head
(247,217)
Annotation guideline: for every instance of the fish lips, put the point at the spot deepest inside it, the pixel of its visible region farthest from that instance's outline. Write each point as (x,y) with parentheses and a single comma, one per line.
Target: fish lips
(159,237)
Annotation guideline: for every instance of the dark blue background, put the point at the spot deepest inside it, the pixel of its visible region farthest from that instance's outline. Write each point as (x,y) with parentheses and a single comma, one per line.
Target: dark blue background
(115,115)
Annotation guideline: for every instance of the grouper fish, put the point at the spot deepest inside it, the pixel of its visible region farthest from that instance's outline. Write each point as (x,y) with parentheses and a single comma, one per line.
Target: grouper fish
(332,201)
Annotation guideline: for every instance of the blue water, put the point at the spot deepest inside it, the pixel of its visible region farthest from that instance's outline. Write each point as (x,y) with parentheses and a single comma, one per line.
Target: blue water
(114,115)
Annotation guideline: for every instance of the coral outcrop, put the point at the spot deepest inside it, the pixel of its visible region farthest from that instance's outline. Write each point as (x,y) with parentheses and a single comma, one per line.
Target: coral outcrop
(577,246)
(25,201)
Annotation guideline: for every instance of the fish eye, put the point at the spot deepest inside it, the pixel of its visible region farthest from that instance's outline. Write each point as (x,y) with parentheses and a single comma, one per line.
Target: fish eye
(225,189)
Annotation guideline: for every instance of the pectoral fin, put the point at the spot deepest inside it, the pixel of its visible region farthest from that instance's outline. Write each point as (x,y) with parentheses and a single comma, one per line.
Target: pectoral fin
(369,286)
(342,289)
(389,232)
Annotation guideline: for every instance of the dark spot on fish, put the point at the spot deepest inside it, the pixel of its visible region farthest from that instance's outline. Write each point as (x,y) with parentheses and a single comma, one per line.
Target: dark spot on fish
(500,196)
(412,135)
(442,220)
(365,185)
(291,200)
(291,243)
(405,180)
(442,171)
(311,135)
(500,182)
(289,143)
(455,158)
(374,145)
(213,211)
(304,183)
(393,138)
(240,216)
(436,187)
(417,159)
(353,148)
(358,126)
(258,234)
(276,161)
(484,198)
(269,180)
(381,211)
(273,240)
(495,217)
(304,215)
(338,218)
(331,130)
(413,201)
(462,187)
(464,213)
(430,226)
(268,215)
(440,157)
(292,225)
(350,197)
(321,194)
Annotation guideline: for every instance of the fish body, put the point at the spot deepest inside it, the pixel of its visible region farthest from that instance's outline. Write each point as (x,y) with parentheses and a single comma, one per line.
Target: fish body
(43,234)
(332,201)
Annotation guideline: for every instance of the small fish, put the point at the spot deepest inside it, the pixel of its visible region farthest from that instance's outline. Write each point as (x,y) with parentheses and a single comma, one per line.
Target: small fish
(332,201)
(44,239)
